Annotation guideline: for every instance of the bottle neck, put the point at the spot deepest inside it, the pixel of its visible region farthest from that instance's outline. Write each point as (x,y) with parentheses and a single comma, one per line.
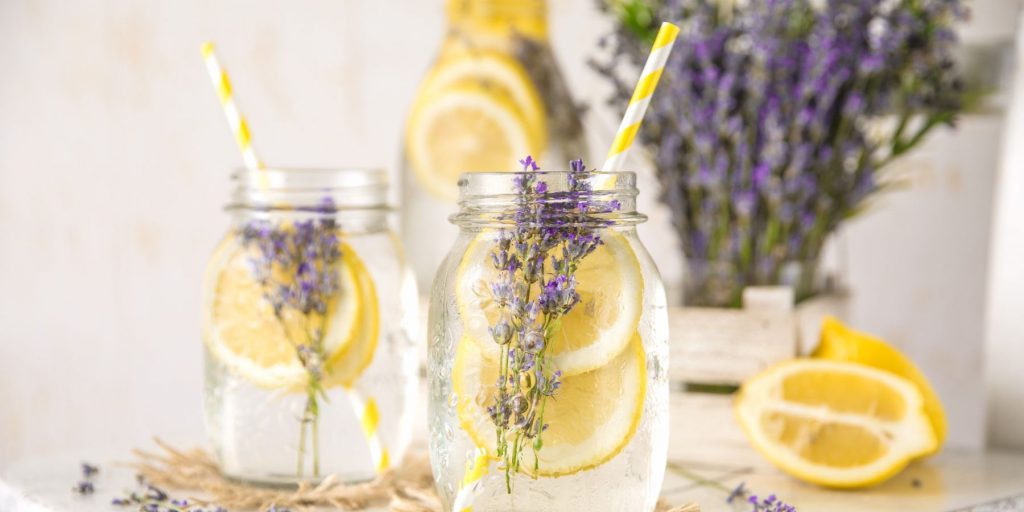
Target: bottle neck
(502,18)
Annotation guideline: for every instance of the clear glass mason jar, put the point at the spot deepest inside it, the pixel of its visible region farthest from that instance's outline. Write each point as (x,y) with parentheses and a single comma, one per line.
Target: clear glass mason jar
(494,93)
(309,312)
(548,348)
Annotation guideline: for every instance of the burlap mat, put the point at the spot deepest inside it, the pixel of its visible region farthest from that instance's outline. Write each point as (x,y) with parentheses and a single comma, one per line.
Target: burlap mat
(406,488)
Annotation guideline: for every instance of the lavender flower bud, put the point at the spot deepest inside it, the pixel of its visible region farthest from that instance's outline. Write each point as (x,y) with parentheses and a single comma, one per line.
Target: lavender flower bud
(502,333)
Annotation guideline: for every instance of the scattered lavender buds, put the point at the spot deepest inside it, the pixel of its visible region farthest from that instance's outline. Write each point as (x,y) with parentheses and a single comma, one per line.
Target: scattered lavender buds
(550,234)
(769,504)
(85,486)
(296,265)
(765,130)
(150,498)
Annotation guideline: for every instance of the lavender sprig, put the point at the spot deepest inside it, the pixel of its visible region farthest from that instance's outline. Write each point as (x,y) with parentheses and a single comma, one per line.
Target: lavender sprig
(763,131)
(536,259)
(769,504)
(296,266)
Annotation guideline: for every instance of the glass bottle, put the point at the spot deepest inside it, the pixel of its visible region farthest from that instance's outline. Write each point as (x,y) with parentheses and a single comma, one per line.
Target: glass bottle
(548,348)
(493,94)
(308,315)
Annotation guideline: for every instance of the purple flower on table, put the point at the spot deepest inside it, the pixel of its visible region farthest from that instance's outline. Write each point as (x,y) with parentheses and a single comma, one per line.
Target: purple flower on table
(769,504)
(84,487)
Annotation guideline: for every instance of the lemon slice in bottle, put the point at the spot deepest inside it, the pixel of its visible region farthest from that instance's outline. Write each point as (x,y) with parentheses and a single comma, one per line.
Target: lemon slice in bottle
(590,418)
(594,332)
(465,127)
(495,71)
(833,423)
(242,331)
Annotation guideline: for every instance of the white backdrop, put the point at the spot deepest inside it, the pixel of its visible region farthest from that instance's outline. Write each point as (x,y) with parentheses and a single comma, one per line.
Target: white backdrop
(114,166)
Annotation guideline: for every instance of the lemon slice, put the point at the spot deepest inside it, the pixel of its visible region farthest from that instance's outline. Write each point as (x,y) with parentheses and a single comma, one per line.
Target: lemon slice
(345,367)
(495,71)
(597,329)
(833,423)
(841,343)
(465,127)
(591,417)
(242,331)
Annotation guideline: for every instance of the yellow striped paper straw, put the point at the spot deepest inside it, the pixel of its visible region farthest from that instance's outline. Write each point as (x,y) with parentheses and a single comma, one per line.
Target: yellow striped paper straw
(641,97)
(236,122)
(369,418)
(471,486)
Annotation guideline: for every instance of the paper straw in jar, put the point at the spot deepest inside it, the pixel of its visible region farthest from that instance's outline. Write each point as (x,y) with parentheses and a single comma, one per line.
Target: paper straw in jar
(365,410)
(641,99)
(475,471)
(239,127)
(369,418)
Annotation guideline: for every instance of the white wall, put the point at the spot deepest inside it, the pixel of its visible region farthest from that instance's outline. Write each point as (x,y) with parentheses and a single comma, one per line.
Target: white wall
(113,169)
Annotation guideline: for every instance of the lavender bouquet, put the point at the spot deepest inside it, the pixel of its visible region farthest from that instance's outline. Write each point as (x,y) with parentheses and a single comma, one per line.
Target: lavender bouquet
(775,119)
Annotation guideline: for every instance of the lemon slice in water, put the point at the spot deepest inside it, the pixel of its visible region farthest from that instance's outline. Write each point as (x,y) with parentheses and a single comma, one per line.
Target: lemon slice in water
(590,418)
(242,331)
(594,332)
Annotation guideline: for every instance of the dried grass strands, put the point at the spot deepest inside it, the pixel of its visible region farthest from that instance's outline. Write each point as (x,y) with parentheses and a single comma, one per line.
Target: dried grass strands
(407,488)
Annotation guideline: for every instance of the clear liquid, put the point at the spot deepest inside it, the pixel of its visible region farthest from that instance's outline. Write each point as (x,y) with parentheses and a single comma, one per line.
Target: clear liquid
(630,481)
(254,431)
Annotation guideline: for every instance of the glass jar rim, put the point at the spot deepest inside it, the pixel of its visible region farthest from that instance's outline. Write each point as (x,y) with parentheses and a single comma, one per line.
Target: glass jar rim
(321,189)
(489,199)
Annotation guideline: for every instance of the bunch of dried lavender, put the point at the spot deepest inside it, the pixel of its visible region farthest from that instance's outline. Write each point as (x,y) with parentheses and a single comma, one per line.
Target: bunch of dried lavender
(296,265)
(764,131)
(536,257)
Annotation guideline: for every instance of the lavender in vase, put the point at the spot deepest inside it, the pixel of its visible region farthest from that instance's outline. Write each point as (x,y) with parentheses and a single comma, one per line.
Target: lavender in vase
(775,120)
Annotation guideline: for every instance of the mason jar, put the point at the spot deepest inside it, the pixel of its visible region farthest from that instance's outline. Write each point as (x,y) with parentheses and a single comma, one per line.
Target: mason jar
(309,312)
(548,348)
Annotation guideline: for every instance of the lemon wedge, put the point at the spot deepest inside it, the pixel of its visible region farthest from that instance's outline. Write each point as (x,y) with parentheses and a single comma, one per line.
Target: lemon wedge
(841,343)
(833,423)
(242,331)
(594,332)
(591,417)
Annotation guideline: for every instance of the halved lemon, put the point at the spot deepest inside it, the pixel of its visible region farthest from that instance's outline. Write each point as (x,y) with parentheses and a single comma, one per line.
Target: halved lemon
(594,332)
(493,70)
(465,127)
(841,343)
(242,331)
(591,417)
(833,423)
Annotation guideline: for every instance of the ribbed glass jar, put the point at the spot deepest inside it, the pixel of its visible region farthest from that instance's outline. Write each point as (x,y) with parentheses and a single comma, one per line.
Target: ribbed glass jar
(309,311)
(548,349)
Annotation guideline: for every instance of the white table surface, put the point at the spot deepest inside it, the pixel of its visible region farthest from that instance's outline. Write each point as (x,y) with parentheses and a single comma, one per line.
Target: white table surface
(951,481)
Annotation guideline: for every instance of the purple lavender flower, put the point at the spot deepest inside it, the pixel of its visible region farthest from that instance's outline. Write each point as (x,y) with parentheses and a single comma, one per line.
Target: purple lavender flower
(550,233)
(769,504)
(84,487)
(763,115)
(296,264)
